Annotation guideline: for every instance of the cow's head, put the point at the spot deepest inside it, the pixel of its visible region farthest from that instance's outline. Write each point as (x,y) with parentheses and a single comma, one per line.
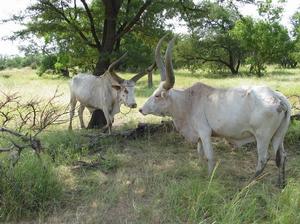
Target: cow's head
(159,103)
(125,88)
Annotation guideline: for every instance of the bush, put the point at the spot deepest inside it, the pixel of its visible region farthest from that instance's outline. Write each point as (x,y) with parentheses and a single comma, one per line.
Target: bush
(47,63)
(64,147)
(30,188)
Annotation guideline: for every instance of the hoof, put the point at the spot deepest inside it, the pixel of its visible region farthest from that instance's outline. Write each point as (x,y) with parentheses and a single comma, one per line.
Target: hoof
(281,184)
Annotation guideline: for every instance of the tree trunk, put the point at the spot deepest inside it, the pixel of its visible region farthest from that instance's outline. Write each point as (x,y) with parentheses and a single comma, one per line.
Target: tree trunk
(101,65)
(233,70)
(112,8)
(233,66)
(97,120)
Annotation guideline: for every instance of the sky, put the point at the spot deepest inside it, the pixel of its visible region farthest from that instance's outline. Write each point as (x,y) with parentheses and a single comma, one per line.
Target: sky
(11,7)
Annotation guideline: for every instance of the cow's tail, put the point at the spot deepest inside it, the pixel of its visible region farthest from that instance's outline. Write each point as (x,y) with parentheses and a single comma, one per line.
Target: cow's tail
(278,137)
(277,140)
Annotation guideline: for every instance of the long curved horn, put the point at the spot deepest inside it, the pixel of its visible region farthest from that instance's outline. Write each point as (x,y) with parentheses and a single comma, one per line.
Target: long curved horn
(158,59)
(111,69)
(144,72)
(170,78)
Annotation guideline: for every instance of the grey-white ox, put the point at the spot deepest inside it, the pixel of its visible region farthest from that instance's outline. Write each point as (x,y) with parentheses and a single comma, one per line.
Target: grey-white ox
(106,92)
(240,114)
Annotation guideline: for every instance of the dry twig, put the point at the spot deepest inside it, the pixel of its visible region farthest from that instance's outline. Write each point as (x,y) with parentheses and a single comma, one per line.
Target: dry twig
(21,123)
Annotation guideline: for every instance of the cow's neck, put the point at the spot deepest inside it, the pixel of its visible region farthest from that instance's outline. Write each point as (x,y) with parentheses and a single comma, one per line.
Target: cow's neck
(180,112)
(179,104)
(116,103)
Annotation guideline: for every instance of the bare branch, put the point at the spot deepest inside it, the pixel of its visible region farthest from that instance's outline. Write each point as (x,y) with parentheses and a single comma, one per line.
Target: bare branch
(134,20)
(92,24)
(24,121)
(72,24)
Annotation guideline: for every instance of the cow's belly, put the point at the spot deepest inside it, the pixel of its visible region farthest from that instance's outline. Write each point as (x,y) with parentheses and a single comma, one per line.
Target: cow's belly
(244,126)
(237,127)
(232,130)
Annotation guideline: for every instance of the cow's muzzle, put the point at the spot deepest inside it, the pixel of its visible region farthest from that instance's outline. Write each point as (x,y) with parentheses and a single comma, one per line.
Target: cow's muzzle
(141,111)
(133,105)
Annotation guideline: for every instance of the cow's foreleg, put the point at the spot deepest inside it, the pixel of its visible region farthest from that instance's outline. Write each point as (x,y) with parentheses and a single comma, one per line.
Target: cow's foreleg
(200,149)
(73,102)
(208,151)
(108,120)
(80,115)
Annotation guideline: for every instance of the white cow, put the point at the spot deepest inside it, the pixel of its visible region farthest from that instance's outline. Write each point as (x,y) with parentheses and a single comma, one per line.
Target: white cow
(106,92)
(240,114)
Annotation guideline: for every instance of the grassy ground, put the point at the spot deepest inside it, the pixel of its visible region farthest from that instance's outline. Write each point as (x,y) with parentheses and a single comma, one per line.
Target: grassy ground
(155,179)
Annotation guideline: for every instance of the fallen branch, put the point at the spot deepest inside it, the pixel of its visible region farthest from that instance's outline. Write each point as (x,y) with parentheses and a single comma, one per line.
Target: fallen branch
(295,103)
(142,130)
(295,117)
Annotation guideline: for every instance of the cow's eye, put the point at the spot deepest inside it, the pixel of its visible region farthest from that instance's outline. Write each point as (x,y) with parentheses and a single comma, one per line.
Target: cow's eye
(126,91)
(157,96)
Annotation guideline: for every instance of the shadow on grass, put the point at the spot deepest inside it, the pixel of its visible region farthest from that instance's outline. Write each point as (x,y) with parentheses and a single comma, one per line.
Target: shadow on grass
(280,72)
(5,76)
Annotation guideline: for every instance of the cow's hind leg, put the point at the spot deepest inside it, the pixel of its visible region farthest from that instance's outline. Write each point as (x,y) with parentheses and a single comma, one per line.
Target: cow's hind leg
(262,154)
(80,115)
(280,162)
(208,151)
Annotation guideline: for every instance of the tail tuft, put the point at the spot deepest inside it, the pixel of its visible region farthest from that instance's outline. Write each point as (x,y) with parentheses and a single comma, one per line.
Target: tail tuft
(278,158)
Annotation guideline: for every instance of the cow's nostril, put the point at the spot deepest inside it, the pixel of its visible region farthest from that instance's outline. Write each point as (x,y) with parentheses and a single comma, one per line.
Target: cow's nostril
(140,110)
(133,105)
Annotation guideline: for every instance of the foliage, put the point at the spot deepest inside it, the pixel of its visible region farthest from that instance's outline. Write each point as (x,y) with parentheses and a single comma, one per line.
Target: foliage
(295,51)
(85,34)
(211,41)
(47,64)
(262,42)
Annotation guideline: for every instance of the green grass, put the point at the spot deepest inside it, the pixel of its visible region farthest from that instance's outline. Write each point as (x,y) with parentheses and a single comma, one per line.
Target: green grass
(155,179)
(29,189)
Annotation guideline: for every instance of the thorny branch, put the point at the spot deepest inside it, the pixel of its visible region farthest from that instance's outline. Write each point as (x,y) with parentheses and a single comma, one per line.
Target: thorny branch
(21,122)
(295,102)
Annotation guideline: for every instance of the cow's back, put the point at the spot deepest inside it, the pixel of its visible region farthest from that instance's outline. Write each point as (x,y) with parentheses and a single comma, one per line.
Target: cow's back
(238,112)
(90,90)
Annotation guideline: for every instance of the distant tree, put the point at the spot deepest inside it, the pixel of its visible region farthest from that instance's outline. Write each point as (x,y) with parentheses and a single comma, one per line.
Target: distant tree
(47,64)
(3,60)
(294,54)
(263,42)
(211,42)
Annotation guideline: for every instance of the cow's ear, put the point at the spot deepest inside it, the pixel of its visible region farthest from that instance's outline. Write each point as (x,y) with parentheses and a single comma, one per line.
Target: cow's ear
(116,87)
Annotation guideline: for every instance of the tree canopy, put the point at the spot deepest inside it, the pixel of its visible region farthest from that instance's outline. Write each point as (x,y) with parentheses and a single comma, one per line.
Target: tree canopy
(87,35)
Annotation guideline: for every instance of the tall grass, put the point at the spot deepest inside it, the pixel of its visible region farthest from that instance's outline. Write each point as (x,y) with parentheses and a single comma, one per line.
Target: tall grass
(192,201)
(29,189)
